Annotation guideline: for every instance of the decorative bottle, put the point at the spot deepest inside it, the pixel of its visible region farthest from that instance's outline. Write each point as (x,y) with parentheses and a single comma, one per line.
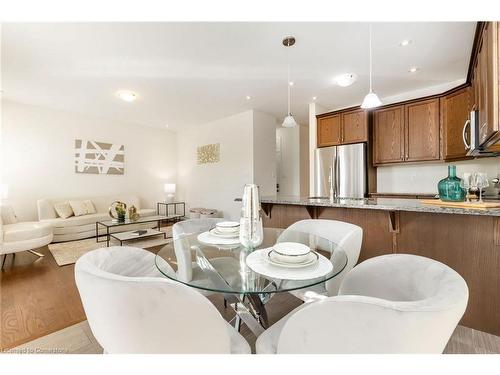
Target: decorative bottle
(449,188)
(251,231)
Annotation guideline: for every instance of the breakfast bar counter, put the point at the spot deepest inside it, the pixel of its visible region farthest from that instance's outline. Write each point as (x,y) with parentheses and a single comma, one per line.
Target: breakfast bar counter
(386,204)
(467,240)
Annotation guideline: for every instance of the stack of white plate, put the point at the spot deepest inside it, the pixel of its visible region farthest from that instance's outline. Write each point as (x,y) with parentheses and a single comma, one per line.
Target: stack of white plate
(291,255)
(226,229)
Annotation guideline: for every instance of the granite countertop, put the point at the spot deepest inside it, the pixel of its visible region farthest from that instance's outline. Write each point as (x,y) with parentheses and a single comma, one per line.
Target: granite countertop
(389,204)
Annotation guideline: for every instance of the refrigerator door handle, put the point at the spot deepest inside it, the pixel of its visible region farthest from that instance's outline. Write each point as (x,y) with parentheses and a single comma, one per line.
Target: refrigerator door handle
(336,187)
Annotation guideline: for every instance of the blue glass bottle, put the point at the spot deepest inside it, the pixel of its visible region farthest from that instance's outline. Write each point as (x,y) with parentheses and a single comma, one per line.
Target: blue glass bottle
(449,188)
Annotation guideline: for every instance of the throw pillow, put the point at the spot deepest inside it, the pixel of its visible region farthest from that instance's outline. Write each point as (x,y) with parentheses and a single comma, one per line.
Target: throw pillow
(8,215)
(63,209)
(89,206)
(78,207)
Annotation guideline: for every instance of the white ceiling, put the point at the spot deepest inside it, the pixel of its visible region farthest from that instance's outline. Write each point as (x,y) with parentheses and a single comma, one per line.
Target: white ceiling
(190,73)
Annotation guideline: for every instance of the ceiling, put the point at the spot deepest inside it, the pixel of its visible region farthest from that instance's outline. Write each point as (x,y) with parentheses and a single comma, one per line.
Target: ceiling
(191,73)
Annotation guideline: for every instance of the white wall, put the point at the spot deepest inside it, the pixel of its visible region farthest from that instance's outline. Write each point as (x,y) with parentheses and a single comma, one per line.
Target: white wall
(314,109)
(424,177)
(289,160)
(38,157)
(264,152)
(242,146)
(304,161)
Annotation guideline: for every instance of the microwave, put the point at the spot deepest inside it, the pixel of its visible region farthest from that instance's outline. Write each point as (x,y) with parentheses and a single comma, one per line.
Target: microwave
(470,136)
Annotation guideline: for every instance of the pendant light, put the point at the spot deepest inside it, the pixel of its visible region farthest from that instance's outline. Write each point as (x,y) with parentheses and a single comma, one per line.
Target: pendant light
(289,121)
(371,100)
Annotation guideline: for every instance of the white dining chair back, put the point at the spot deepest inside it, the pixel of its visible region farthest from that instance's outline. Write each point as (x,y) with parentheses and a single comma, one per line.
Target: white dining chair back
(182,249)
(348,236)
(389,304)
(131,308)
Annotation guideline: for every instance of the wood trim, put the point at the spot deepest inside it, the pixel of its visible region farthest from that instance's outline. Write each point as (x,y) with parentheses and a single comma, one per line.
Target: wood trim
(475,49)
(267,208)
(394,221)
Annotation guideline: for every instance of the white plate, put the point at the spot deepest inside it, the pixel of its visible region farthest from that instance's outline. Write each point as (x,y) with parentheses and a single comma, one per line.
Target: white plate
(210,239)
(291,252)
(310,259)
(291,248)
(258,262)
(215,232)
(228,226)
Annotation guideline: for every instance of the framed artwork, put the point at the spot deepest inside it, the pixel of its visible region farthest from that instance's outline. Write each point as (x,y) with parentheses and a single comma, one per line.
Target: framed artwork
(209,153)
(99,157)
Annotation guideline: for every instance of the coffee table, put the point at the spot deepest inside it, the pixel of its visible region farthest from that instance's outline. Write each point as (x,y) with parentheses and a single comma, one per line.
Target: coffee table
(129,235)
(108,224)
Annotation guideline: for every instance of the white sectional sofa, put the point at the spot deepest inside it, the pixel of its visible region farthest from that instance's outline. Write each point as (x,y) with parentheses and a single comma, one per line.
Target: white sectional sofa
(79,227)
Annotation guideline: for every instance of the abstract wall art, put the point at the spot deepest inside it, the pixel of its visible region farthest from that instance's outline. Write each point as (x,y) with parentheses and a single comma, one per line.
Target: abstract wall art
(209,153)
(99,157)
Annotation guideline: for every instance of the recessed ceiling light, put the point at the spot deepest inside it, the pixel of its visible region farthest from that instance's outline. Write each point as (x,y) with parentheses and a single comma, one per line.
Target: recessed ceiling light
(248,97)
(346,79)
(166,125)
(127,95)
(404,42)
(413,69)
(314,98)
(291,83)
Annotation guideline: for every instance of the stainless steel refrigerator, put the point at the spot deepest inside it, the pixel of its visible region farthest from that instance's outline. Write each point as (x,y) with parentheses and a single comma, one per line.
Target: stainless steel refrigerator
(341,169)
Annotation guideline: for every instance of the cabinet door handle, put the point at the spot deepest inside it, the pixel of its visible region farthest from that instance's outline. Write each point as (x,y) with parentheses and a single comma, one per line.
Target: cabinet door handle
(464,130)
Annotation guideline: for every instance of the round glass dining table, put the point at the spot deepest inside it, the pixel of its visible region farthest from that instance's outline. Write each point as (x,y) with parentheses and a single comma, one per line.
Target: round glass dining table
(222,268)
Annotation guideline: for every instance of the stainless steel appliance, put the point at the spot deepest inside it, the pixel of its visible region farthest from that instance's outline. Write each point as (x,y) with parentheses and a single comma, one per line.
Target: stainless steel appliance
(340,171)
(470,136)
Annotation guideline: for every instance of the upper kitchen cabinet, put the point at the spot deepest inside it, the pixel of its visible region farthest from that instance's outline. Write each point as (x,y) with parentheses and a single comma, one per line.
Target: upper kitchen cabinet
(422,139)
(354,126)
(343,128)
(455,109)
(407,133)
(388,135)
(486,76)
(329,131)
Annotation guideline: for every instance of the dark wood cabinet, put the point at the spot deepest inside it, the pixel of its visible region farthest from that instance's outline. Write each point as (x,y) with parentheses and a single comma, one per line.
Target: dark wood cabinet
(407,133)
(487,65)
(329,131)
(455,111)
(388,135)
(343,128)
(354,127)
(422,140)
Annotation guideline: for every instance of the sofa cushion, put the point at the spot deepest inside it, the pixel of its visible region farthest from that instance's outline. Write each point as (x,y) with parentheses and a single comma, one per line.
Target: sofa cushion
(82,207)
(25,231)
(77,220)
(64,209)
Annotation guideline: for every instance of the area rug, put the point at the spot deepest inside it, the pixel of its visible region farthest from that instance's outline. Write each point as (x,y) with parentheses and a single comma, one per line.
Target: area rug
(66,253)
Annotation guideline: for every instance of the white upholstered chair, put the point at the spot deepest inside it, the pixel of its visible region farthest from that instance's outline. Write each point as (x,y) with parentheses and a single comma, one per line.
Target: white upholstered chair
(186,269)
(132,308)
(348,236)
(18,236)
(396,303)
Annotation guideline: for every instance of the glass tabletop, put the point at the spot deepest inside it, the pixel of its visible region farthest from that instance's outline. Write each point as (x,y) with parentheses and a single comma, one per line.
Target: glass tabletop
(223,268)
(142,219)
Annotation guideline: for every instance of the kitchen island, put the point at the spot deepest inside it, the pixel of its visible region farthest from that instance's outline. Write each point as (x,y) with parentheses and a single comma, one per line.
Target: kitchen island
(464,239)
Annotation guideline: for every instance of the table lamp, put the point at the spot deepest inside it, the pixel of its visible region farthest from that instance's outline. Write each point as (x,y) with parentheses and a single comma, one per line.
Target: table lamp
(170,191)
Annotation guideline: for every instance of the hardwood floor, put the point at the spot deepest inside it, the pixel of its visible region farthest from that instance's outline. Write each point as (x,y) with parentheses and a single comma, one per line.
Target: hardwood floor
(37,298)
(41,312)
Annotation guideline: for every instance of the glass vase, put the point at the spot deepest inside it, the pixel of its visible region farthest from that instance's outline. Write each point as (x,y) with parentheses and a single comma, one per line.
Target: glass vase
(449,188)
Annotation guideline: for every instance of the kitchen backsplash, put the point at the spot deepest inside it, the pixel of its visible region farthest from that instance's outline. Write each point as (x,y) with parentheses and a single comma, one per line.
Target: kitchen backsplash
(423,177)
